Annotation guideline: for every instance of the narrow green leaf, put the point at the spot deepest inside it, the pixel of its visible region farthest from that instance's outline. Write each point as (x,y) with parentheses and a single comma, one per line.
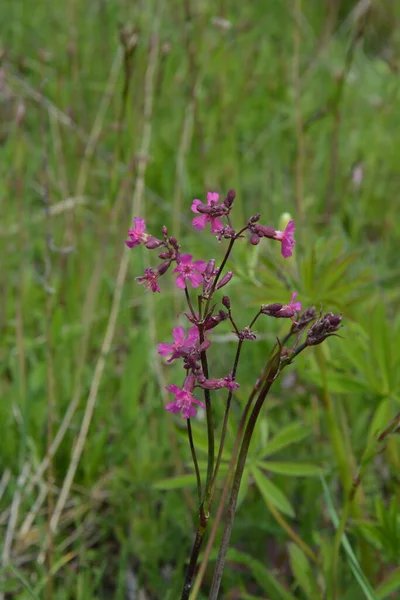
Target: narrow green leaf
(292,469)
(271,492)
(291,434)
(303,572)
(354,564)
(175,483)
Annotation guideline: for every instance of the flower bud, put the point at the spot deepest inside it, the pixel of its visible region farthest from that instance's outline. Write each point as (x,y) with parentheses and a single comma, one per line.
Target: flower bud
(226,279)
(152,243)
(226,302)
(230,197)
(323,328)
(163,268)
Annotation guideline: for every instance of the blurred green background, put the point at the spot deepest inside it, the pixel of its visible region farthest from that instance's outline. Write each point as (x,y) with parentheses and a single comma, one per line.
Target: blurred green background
(114,108)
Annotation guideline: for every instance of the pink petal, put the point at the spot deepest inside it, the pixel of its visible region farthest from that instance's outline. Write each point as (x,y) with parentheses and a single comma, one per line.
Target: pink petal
(165,349)
(173,388)
(132,243)
(185,259)
(189,411)
(172,407)
(178,333)
(180,282)
(286,249)
(195,279)
(195,204)
(216,225)
(200,222)
(193,335)
(140,225)
(200,265)
(290,228)
(212,197)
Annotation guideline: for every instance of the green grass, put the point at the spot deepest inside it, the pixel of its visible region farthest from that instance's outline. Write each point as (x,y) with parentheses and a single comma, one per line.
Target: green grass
(186,105)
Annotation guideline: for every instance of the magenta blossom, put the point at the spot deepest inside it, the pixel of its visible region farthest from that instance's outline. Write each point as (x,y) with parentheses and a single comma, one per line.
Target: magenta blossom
(200,222)
(179,344)
(189,270)
(287,239)
(137,235)
(184,399)
(292,304)
(149,280)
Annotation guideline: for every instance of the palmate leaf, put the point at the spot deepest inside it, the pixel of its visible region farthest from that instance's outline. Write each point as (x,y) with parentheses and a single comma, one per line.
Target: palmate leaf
(291,434)
(271,492)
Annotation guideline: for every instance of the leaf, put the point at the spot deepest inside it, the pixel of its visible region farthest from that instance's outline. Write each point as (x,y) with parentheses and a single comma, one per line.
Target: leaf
(303,572)
(271,492)
(175,483)
(390,585)
(265,580)
(380,419)
(354,564)
(292,469)
(291,434)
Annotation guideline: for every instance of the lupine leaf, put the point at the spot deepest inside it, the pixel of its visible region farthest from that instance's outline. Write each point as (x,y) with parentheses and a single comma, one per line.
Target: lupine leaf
(271,492)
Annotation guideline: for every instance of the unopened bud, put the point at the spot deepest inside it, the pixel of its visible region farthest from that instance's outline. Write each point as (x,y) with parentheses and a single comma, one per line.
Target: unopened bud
(226,279)
(152,243)
(226,302)
(210,269)
(163,268)
(230,197)
(254,239)
(323,328)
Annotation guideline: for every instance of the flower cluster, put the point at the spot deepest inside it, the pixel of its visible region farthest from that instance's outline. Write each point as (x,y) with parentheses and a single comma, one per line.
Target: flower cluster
(191,347)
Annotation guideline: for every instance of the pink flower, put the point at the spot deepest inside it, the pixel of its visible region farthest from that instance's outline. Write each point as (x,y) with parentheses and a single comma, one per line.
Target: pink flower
(200,222)
(137,234)
(287,239)
(149,280)
(189,270)
(292,304)
(183,402)
(179,343)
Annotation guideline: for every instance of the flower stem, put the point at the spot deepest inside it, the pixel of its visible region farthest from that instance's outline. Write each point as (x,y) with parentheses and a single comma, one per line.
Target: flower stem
(195,463)
(194,556)
(226,415)
(271,375)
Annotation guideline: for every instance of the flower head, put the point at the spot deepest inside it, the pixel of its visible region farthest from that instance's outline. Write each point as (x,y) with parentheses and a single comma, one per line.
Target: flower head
(287,239)
(149,280)
(189,270)
(184,400)
(208,213)
(180,343)
(137,234)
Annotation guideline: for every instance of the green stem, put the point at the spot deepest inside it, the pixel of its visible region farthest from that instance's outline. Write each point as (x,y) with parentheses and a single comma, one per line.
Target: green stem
(271,375)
